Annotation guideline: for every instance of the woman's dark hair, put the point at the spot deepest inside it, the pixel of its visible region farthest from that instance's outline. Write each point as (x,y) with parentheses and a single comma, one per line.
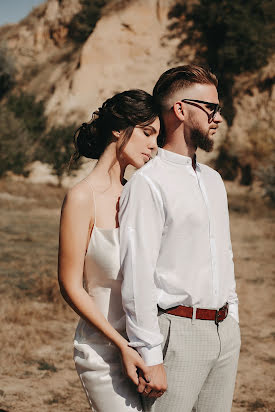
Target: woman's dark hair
(122,112)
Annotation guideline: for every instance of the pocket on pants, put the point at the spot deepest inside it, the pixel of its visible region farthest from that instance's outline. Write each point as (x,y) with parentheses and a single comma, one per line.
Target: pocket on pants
(234,320)
(236,328)
(165,329)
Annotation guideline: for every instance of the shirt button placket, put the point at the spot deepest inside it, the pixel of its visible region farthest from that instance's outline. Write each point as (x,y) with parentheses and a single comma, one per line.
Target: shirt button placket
(211,241)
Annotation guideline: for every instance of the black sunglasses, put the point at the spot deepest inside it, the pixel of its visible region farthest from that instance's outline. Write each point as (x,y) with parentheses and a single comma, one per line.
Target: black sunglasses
(214,107)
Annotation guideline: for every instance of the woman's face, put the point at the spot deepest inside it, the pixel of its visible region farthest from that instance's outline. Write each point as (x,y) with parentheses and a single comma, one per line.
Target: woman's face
(142,144)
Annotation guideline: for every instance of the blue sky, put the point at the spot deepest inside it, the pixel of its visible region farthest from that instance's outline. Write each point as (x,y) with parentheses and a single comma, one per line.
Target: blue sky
(11,11)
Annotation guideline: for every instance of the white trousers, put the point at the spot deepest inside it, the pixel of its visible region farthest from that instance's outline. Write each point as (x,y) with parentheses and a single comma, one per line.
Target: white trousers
(200,359)
(100,370)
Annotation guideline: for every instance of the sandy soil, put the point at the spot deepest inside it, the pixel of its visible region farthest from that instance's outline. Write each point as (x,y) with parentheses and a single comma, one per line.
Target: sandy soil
(37,371)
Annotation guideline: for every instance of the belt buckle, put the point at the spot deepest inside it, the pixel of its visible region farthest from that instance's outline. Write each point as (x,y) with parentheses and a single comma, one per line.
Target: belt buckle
(226,308)
(223,309)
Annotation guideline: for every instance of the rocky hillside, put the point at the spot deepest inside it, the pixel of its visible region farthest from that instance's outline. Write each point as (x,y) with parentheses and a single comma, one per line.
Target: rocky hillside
(125,50)
(129,47)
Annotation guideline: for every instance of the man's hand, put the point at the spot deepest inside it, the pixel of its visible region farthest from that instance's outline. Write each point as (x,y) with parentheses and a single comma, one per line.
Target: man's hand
(156,384)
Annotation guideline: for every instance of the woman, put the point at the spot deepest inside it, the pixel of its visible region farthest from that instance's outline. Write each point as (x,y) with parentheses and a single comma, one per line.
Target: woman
(124,131)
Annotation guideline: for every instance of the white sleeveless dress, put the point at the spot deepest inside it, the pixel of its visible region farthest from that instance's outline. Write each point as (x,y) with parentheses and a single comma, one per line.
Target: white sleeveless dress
(97,360)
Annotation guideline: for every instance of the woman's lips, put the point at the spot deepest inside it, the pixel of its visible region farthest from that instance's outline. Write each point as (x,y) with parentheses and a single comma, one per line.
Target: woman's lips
(148,156)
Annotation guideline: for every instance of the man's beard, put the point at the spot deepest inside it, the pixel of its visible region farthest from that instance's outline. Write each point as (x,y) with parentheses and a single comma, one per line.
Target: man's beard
(200,139)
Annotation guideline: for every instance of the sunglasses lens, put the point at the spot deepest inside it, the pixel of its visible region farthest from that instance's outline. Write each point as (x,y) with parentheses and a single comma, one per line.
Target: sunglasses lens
(217,109)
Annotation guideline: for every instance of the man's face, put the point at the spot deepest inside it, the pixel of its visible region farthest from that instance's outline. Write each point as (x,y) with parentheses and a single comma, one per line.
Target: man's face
(200,125)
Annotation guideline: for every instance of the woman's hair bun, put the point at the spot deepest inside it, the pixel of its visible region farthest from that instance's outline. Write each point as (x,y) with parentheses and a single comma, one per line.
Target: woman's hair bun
(87,139)
(123,111)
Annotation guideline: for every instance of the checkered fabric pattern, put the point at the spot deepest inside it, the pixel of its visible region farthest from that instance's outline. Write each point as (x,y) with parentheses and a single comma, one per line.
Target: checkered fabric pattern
(201,360)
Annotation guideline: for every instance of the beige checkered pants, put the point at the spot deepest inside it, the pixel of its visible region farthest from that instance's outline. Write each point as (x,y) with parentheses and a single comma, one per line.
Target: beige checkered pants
(201,363)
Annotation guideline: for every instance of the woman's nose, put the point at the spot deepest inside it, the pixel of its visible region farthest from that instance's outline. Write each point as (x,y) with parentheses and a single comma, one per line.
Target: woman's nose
(153,143)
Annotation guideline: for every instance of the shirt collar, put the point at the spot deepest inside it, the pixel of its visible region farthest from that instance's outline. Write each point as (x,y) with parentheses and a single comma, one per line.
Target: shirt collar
(174,157)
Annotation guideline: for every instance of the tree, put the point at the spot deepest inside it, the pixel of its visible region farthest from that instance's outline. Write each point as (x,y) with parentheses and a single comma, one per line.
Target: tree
(231,37)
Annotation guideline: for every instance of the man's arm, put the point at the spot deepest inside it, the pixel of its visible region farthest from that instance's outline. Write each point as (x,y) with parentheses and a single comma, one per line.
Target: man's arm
(141,219)
(233,298)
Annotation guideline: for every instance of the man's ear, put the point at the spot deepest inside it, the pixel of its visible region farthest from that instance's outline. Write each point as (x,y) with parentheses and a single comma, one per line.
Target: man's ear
(178,110)
(116,134)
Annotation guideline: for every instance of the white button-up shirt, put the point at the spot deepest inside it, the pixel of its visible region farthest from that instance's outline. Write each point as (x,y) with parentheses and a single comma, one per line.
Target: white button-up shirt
(175,246)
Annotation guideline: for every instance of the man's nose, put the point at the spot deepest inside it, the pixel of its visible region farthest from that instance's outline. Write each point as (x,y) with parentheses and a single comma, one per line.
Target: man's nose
(218,118)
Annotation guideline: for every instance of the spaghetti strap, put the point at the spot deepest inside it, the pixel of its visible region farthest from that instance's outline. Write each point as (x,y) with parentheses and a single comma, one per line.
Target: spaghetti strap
(93,193)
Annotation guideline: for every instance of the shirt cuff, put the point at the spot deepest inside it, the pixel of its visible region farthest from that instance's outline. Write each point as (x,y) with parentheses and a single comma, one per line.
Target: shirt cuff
(234,311)
(151,356)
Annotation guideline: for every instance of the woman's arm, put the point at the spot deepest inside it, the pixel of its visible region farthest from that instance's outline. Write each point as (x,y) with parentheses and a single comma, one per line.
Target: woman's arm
(76,216)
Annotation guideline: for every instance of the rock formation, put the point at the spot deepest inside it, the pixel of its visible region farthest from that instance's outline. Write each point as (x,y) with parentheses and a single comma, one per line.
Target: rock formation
(129,48)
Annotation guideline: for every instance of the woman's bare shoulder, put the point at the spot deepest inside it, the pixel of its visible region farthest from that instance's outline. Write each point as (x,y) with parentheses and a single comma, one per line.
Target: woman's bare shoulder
(79,196)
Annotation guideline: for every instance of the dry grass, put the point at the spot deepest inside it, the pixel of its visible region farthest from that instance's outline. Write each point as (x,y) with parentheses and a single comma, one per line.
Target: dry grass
(253,235)
(37,327)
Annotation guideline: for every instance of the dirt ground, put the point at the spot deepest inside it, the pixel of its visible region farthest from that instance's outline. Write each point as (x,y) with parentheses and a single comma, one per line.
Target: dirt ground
(37,328)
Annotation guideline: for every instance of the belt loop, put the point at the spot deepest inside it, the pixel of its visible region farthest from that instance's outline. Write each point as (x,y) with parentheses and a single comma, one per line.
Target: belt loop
(194,314)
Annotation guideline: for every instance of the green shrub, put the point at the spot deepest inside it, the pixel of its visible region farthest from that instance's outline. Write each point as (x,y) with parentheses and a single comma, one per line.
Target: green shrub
(24,139)
(226,164)
(266,175)
(22,127)
(7,72)
(56,149)
(15,144)
(230,36)
(44,365)
(84,22)
(30,112)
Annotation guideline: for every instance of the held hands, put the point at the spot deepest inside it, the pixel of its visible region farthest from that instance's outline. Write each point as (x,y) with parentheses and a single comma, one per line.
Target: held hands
(156,385)
(150,380)
(132,362)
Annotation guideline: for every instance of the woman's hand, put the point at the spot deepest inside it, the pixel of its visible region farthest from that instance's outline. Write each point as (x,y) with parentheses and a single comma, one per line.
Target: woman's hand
(157,384)
(132,361)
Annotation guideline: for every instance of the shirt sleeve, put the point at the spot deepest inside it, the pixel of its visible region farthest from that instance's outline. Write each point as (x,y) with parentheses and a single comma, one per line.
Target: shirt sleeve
(233,298)
(141,220)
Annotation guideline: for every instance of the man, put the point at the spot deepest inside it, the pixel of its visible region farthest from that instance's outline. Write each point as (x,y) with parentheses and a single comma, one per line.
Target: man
(179,288)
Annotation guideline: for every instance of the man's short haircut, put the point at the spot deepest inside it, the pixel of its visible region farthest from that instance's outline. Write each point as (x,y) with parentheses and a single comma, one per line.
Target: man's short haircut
(181,77)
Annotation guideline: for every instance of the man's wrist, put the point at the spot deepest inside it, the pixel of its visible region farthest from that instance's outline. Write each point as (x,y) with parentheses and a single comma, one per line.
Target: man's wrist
(151,356)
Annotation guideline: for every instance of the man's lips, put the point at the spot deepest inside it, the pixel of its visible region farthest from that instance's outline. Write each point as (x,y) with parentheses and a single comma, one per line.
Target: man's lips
(214,129)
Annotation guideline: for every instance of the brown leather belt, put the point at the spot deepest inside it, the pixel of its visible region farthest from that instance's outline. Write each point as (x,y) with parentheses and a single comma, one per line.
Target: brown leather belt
(204,314)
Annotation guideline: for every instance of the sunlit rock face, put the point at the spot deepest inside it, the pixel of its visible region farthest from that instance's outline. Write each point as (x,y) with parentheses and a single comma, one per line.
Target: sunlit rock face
(124,51)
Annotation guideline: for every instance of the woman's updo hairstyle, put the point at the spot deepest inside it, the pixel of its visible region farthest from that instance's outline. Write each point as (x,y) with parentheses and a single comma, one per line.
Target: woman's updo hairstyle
(122,112)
